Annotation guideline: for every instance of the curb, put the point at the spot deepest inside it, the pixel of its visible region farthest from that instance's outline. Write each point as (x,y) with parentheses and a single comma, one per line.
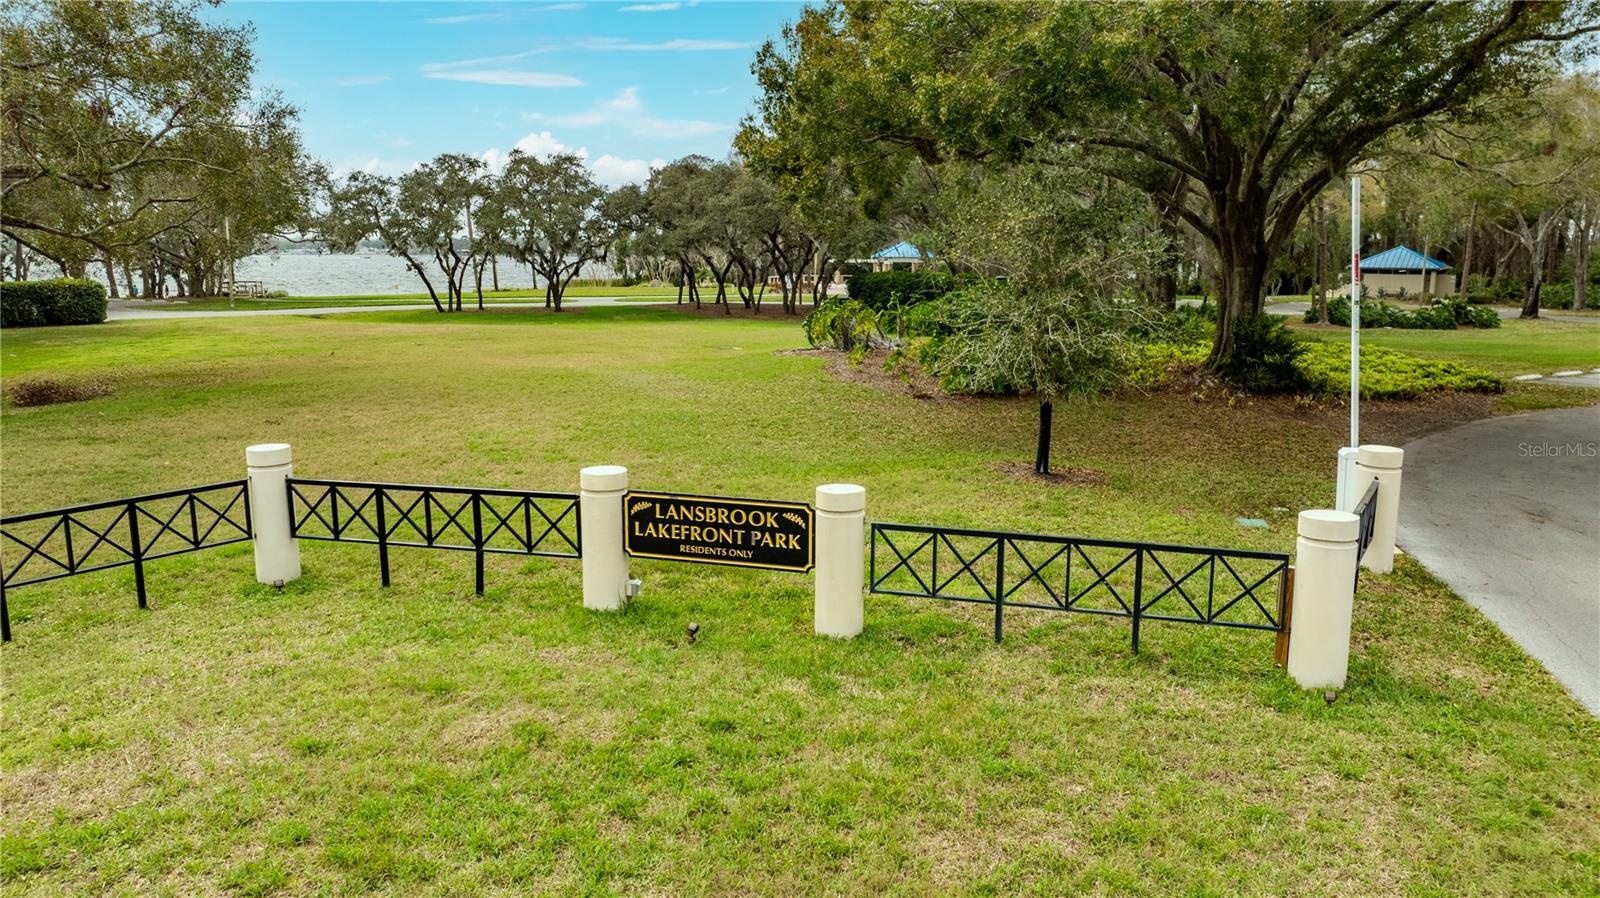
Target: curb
(1574,372)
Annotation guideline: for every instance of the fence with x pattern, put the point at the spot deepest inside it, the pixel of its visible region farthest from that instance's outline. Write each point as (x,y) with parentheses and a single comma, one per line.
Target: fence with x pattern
(1137,580)
(49,545)
(467,519)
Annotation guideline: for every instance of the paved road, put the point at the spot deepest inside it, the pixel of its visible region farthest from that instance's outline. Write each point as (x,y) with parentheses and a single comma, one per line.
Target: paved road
(1507,511)
(1298,310)
(120,311)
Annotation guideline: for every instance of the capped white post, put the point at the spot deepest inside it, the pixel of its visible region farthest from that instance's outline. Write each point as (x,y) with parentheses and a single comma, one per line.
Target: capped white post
(841,525)
(1324,598)
(605,564)
(277,551)
(1382,462)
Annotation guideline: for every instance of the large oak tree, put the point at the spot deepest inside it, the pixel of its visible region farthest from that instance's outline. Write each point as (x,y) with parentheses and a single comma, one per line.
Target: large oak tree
(1233,117)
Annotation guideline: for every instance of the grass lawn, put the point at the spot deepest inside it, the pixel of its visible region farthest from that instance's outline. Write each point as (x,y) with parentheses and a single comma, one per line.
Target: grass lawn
(638,292)
(338,738)
(1516,347)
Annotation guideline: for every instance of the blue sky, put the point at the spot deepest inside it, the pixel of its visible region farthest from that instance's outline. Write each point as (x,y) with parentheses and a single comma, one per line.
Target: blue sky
(382,86)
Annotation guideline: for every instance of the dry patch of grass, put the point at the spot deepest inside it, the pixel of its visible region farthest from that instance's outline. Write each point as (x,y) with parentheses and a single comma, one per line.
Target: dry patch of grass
(33,391)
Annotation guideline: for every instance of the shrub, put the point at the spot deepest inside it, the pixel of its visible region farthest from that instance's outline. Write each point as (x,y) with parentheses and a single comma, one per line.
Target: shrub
(1264,357)
(887,289)
(1389,373)
(1159,363)
(61,301)
(1325,367)
(48,391)
(1558,295)
(842,324)
(999,341)
(1443,314)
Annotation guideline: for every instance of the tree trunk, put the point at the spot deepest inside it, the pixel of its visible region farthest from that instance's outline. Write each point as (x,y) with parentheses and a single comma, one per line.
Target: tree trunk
(1243,260)
(111,277)
(432,294)
(1322,264)
(1427,274)
(1041,456)
(1466,254)
(1580,260)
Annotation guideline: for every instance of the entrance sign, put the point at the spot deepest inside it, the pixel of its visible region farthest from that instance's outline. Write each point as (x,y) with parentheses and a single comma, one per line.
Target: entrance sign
(716,530)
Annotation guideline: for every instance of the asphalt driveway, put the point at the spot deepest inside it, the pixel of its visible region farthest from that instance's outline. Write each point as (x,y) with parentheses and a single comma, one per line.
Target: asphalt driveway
(1507,511)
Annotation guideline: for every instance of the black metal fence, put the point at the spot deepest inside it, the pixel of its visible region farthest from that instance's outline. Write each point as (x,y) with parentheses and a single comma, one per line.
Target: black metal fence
(1367,511)
(49,545)
(463,519)
(1137,580)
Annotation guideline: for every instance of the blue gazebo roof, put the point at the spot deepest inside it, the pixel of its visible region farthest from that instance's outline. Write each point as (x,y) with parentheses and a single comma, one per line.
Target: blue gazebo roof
(901,250)
(1401,258)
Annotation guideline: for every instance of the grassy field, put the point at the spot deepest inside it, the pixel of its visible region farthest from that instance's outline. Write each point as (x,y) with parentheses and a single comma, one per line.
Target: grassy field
(639,292)
(338,738)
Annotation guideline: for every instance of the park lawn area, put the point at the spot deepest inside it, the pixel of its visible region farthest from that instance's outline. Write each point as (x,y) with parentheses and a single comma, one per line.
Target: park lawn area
(637,292)
(334,737)
(1516,347)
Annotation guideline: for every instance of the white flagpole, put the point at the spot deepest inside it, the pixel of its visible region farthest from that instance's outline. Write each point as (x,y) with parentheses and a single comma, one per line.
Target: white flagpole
(1347,456)
(1355,311)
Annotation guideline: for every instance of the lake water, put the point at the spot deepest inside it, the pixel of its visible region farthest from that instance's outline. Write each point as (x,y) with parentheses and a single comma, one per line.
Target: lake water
(339,274)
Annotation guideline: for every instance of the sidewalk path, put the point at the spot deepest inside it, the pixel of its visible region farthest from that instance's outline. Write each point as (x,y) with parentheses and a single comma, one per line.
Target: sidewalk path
(1507,511)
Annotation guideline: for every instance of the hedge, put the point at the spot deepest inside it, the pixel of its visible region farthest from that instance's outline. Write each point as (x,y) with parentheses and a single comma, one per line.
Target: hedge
(1385,373)
(42,303)
(1444,314)
(885,289)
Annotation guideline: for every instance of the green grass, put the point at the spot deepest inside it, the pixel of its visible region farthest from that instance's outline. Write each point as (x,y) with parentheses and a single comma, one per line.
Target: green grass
(338,738)
(638,292)
(1516,347)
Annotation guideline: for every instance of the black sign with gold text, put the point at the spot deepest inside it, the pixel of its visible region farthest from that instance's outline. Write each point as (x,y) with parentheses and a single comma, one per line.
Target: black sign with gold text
(714,530)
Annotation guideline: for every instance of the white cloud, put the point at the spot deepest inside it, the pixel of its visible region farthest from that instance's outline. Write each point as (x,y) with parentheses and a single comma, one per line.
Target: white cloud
(624,111)
(493,16)
(614,171)
(542,144)
(607,169)
(360,80)
(482,60)
(509,77)
(679,45)
(652,7)
(372,165)
(713,91)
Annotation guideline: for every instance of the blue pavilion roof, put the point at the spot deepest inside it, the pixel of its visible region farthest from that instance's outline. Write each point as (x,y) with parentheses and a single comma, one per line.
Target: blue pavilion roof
(901,250)
(1401,258)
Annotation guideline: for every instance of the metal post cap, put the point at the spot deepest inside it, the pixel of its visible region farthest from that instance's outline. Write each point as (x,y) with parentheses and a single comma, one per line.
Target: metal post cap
(841,497)
(267,455)
(1331,526)
(603,478)
(1385,457)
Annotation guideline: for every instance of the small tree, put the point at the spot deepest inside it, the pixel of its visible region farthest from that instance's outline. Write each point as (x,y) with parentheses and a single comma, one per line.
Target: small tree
(1071,245)
(1053,344)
